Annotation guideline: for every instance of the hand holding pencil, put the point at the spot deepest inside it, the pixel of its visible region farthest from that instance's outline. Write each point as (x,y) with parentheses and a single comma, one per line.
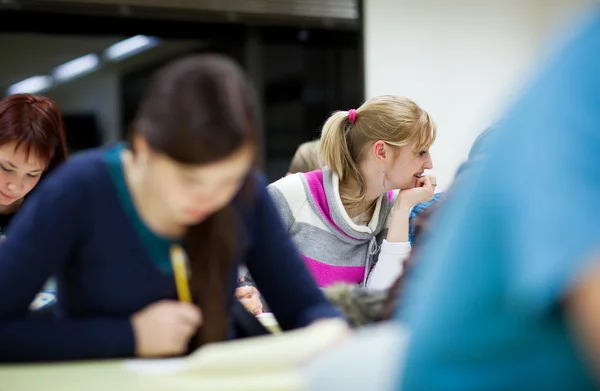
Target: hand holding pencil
(165,328)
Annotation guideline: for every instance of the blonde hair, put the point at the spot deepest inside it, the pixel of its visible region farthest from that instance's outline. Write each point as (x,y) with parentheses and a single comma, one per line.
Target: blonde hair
(395,120)
(306,158)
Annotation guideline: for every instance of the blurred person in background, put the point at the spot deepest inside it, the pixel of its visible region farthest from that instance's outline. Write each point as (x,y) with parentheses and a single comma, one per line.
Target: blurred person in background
(508,298)
(306,158)
(249,296)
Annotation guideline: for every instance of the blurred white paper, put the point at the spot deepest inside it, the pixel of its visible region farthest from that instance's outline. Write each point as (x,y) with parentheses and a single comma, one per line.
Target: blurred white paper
(156,367)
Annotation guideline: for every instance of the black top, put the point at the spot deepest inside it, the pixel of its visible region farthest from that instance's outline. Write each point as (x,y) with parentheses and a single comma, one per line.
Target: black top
(5,220)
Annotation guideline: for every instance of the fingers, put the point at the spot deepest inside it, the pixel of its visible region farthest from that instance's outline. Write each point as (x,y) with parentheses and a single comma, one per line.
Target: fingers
(183,332)
(243,291)
(189,314)
(424,182)
(428,182)
(189,319)
(429,186)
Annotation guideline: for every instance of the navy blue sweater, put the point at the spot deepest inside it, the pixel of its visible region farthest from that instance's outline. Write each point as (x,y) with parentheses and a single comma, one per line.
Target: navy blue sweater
(78,228)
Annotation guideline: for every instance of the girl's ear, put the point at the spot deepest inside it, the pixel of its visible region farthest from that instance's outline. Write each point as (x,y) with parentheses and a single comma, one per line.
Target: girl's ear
(380,151)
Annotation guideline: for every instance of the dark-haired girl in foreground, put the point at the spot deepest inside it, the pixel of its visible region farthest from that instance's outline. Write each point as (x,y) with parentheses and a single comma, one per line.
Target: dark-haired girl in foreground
(104,224)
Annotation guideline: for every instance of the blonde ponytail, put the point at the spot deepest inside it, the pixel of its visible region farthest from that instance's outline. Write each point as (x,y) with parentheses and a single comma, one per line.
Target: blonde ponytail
(334,151)
(338,154)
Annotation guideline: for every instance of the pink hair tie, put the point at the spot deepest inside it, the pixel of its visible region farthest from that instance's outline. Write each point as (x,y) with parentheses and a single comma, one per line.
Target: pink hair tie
(352,115)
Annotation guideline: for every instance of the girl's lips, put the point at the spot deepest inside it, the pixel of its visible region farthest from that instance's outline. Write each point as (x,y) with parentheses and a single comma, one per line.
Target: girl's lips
(7,196)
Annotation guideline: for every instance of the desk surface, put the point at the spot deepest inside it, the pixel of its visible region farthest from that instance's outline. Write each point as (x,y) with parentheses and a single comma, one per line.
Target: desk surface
(141,375)
(129,376)
(89,376)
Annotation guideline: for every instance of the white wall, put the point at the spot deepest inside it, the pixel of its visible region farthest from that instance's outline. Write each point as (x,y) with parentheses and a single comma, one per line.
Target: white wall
(461,60)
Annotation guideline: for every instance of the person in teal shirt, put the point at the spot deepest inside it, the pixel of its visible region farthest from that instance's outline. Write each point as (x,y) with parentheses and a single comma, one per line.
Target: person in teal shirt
(506,291)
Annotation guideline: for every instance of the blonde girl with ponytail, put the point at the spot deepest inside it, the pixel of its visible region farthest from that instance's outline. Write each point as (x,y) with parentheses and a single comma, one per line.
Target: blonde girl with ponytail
(350,219)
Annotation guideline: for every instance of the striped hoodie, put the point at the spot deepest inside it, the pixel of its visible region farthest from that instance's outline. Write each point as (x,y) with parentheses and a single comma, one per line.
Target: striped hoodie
(335,248)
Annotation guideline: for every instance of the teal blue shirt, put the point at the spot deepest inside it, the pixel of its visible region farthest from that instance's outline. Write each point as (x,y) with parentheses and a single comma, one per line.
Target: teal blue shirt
(511,241)
(158,247)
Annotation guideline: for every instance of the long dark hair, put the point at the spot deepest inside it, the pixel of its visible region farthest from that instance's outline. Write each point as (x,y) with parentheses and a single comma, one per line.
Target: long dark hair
(199,110)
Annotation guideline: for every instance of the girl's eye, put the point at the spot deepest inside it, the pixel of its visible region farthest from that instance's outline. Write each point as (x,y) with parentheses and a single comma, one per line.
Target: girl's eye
(6,169)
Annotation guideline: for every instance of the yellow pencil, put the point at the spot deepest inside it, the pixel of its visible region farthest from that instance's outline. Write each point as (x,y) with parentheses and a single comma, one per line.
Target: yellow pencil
(179,264)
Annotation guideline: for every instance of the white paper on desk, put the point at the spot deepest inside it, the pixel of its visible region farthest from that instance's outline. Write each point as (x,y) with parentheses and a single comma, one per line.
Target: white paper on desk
(156,367)
(265,354)
(268,353)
